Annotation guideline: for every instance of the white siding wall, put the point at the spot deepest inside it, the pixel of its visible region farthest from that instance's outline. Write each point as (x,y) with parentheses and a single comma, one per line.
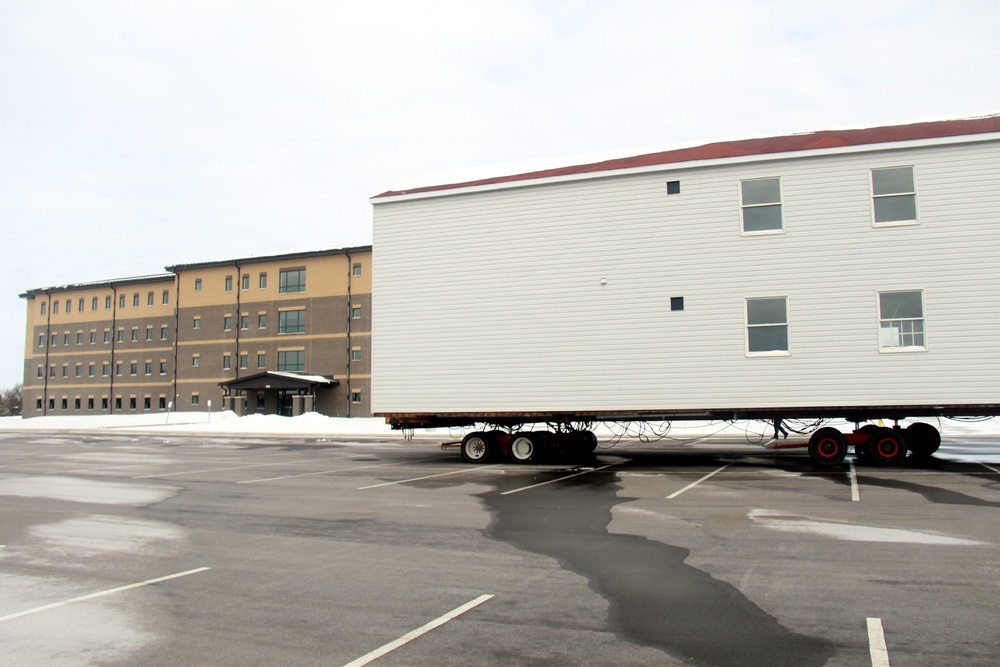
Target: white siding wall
(491,301)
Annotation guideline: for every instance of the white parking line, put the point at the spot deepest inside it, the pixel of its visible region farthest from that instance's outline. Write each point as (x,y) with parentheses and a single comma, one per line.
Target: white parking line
(876,643)
(417,479)
(553,481)
(855,491)
(696,483)
(327,472)
(82,598)
(988,467)
(252,465)
(423,629)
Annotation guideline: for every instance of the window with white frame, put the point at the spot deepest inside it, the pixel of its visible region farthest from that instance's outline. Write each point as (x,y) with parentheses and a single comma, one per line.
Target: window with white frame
(901,320)
(894,196)
(760,201)
(767,325)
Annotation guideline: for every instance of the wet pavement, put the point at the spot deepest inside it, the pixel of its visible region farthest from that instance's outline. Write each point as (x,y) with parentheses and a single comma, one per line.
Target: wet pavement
(124,550)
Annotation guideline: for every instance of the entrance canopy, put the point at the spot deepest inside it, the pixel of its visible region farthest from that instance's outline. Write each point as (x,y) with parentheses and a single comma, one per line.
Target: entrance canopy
(278,380)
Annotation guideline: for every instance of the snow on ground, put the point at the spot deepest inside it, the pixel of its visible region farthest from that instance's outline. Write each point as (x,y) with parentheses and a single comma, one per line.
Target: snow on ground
(227,423)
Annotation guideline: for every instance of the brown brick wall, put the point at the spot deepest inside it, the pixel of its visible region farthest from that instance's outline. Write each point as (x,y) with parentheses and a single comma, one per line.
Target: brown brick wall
(325,340)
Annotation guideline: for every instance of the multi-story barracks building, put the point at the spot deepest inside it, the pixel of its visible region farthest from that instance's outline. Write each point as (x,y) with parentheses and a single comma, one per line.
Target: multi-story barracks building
(278,334)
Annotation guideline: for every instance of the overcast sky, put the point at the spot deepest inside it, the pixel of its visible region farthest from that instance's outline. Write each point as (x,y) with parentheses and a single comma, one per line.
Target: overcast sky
(139,134)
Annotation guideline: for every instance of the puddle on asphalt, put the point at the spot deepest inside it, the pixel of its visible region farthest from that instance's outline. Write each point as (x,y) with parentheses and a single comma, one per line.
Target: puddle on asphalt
(118,458)
(655,598)
(78,490)
(104,535)
(933,494)
(853,532)
(99,632)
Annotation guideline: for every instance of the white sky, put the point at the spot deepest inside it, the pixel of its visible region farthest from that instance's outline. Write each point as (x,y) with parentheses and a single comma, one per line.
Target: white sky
(142,133)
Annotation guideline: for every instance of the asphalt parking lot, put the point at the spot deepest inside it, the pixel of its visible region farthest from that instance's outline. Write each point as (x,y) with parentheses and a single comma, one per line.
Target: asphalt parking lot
(154,550)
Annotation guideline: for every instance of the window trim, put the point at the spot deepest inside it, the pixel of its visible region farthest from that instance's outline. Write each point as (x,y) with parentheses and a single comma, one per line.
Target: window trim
(283,286)
(297,351)
(299,328)
(902,349)
(747,325)
(872,197)
(780,203)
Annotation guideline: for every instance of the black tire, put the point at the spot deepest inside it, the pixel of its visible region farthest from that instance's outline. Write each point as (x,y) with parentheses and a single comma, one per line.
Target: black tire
(525,446)
(576,443)
(922,439)
(827,447)
(588,442)
(477,447)
(887,447)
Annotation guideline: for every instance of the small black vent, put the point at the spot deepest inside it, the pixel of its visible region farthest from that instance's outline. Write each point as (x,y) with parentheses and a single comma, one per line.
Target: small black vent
(673,187)
(676,303)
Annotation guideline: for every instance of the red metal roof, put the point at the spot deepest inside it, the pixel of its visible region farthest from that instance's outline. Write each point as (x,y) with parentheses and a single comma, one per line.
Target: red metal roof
(731,149)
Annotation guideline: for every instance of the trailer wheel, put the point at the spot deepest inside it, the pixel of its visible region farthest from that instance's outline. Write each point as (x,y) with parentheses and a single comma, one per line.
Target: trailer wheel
(922,439)
(524,447)
(588,442)
(578,443)
(827,447)
(477,447)
(887,447)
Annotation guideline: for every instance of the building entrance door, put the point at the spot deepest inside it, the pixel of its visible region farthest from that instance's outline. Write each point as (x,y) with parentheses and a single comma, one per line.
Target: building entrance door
(285,401)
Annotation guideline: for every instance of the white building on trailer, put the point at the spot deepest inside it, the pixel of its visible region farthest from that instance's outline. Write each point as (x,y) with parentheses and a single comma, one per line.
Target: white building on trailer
(848,273)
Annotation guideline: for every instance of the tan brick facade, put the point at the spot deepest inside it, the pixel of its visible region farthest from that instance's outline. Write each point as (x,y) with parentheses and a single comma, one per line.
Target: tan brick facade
(138,345)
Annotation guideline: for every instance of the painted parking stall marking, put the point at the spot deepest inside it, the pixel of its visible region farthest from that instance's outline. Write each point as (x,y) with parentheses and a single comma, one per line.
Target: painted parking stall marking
(855,491)
(335,470)
(560,479)
(417,479)
(422,630)
(876,643)
(697,482)
(252,465)
(92,596)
